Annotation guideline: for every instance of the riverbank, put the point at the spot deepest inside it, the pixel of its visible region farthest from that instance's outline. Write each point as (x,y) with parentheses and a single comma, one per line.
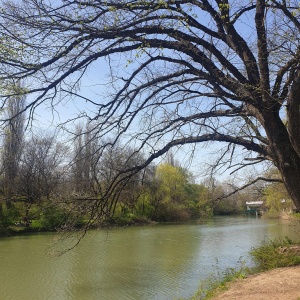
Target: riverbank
(281,283)
(35,227)
(276,275)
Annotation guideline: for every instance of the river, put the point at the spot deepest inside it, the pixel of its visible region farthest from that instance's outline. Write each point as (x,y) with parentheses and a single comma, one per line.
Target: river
(147,262)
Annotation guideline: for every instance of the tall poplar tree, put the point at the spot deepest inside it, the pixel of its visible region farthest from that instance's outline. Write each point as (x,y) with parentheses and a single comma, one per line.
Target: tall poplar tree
(13,143)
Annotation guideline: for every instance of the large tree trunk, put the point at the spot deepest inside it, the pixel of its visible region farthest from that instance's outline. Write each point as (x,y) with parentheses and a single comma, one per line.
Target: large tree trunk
(289,168)
(284,155)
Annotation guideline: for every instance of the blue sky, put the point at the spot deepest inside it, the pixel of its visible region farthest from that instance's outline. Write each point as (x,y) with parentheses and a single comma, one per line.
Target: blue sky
(94,87)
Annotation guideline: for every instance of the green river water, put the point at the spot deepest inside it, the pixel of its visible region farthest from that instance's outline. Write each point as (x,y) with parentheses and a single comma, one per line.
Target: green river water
(148,262)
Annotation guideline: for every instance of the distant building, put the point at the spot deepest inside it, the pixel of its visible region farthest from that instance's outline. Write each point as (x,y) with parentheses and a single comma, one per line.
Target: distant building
(254,207)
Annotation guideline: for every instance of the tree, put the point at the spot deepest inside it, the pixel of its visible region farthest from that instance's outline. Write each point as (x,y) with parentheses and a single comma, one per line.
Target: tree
(276,196)
(277,200)
(12,143)
(82,161)
(172,181)
(171,196)
(192,71)
(41,169)
(94,169)
(112,162)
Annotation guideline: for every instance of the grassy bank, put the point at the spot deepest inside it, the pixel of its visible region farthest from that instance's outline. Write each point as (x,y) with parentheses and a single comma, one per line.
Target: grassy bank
(55,223)
(269,255)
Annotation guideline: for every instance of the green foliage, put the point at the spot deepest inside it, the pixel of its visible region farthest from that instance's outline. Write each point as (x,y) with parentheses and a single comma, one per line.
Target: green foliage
(124,218)
(297,216)
(143,206)
(52,217)
(8,216)
(195,192)
(172,196)
(168,196)
(38,216)
(230,206)
(205,205)
(277,200)
(172,182)
(172,212)
(276,196)
(36,225)
(275,254)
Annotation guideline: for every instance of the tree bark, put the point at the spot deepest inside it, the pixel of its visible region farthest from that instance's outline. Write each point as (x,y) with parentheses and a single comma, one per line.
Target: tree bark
(284,155)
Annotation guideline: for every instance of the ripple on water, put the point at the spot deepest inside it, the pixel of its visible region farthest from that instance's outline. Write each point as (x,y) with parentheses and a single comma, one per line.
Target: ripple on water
(157,262)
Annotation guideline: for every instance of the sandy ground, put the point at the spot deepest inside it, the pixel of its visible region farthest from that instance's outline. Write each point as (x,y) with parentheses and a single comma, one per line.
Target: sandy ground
(282,283)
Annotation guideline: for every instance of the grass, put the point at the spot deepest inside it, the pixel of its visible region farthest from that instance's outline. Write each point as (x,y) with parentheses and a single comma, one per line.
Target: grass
(219,282)
(269,255)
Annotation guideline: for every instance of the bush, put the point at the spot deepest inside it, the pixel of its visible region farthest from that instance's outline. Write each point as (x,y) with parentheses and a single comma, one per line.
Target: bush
(52,217)
(172,213)
(276,254)
(9,216)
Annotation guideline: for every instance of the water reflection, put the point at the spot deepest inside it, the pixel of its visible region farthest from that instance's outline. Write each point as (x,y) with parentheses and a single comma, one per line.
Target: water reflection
(156,262)
(134,263)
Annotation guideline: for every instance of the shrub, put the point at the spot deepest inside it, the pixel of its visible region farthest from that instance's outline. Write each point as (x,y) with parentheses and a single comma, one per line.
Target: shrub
(52,217)
(276,254)
(9,216)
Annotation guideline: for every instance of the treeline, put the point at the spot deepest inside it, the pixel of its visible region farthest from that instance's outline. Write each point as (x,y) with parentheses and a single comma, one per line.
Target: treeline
(55,185)
(46,184)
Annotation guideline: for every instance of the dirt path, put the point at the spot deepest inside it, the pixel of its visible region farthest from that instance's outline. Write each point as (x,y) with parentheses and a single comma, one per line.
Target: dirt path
(278,284)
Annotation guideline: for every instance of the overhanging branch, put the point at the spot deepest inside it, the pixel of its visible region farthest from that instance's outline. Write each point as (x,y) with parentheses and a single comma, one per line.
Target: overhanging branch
(236,190)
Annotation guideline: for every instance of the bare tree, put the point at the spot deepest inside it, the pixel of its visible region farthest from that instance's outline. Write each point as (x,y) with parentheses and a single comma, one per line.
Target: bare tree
(96,164)
(78,167)
(114,162)
(12,144)
(86,155)
(182,72)
(41,169)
